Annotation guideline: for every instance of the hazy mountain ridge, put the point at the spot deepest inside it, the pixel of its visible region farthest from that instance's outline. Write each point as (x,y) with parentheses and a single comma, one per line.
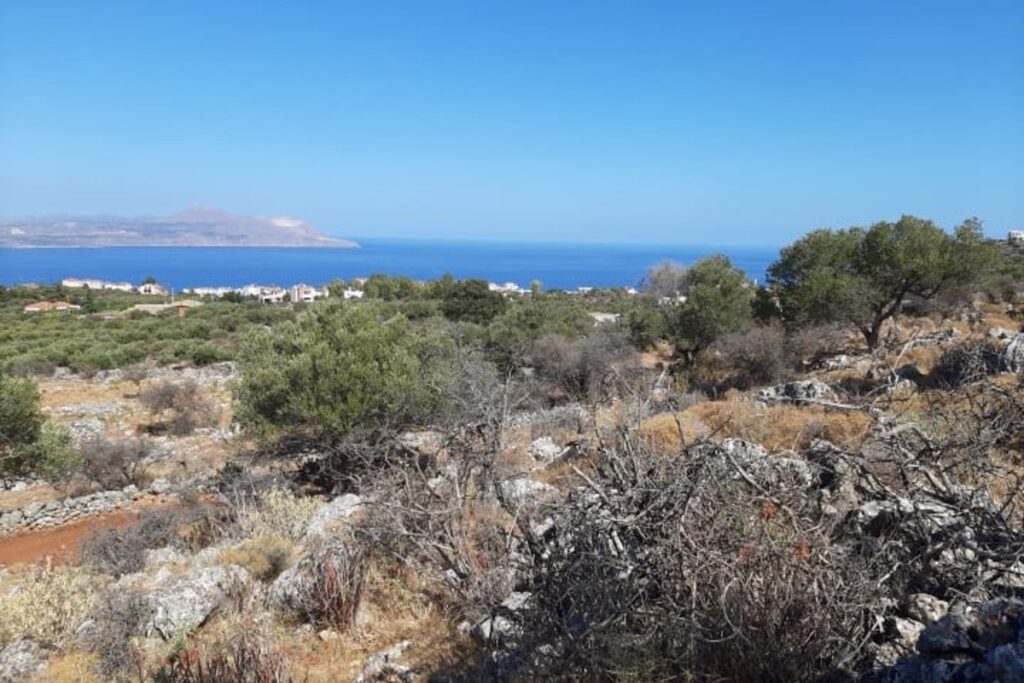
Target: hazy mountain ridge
(193,227)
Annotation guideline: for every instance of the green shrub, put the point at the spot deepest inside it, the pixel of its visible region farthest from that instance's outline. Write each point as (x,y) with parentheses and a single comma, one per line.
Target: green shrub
(339,367)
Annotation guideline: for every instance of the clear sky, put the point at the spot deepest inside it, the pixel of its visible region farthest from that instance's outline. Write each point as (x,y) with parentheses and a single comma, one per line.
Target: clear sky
(676,122)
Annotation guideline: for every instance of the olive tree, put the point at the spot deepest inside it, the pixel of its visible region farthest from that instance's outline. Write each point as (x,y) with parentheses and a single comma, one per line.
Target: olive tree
(21,423)
(718,301)
(863,276)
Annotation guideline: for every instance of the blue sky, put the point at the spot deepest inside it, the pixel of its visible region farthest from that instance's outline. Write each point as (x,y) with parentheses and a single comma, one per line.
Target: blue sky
(674,122)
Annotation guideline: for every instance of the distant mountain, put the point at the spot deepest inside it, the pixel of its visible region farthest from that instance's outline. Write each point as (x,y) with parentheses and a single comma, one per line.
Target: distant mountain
(194,227)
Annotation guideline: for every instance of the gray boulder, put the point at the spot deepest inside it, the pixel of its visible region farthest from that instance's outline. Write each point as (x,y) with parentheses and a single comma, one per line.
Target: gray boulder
(974,645)
(333,515)
(21,660)
(186,602)
(545,450)
(291,591)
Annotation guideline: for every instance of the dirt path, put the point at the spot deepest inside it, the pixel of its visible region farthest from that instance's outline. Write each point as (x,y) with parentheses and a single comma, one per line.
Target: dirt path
(62,544)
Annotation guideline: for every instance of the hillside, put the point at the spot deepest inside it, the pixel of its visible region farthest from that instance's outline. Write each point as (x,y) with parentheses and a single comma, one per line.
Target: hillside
(196,227)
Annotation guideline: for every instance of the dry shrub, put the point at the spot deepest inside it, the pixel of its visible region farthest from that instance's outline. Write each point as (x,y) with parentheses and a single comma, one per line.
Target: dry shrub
(117,618)
(743,360)
(584,368)
(123,551)
(335,586)
(278,512)
(248,657)
(777,427)
(47,605)
(116,463)
(679,570)
(967,362)
(180,406)
(263,556)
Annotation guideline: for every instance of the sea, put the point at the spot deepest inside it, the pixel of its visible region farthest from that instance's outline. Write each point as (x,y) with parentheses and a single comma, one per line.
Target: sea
(557,266)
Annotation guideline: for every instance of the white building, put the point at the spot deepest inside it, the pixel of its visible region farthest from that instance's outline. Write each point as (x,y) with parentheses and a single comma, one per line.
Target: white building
(1015,237)
(307,294)
(76,283)
(266,294)
(152,289)
(350,293)
(216,292)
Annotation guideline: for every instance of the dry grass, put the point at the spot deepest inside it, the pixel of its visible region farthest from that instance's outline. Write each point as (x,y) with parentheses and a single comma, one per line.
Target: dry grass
(263,556)
(395,608)
(279,513)
(76,666)
(777,428)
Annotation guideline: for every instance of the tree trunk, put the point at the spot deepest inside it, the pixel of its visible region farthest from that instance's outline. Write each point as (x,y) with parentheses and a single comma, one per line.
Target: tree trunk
(871,335)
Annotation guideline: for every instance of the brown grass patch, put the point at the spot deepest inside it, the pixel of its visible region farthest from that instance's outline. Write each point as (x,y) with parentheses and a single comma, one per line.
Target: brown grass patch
(73,667)
(777,428)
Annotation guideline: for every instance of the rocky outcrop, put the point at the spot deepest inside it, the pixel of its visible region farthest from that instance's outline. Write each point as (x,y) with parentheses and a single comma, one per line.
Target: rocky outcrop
(186,602)
(800,392)
(333,515)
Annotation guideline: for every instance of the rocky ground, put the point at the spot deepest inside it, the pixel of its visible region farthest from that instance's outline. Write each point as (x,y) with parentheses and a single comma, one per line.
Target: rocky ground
(843,452)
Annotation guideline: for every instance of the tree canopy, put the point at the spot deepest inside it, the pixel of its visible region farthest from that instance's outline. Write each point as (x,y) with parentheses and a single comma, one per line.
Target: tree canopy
(718,301)
(863,276)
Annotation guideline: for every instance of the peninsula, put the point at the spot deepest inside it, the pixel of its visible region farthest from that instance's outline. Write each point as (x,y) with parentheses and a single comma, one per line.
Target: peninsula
(196,227)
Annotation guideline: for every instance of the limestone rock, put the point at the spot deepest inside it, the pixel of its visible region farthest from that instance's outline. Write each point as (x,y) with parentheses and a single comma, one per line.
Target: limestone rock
(332,515)
(21,660)
(545,450)
(186,602)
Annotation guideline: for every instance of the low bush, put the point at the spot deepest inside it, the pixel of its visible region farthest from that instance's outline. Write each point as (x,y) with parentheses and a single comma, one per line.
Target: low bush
(47,604)
(582,367)
(334,586)
(53,456)
(179,405)
(115,463)
(118,617)
(967,362)
(742,360)
(123,551)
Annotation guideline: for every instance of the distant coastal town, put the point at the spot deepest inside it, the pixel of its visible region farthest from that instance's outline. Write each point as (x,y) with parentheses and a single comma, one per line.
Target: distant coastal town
(267,294)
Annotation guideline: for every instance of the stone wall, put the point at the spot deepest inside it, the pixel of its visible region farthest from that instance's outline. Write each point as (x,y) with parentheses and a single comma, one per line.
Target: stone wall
(54,513)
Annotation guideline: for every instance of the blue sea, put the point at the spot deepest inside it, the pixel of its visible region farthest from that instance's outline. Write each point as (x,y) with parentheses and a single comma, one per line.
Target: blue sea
(557,266)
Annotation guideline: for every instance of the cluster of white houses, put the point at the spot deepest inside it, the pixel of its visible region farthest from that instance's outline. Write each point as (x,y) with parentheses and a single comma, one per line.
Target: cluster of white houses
(89,283)
(272,294)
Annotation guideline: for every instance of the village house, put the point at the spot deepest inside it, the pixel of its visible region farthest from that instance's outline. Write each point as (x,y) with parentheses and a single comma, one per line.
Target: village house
(1016,237)
(349,293)
(507,288)
(153,289)
(51,307)
(305,293)
(265,294)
